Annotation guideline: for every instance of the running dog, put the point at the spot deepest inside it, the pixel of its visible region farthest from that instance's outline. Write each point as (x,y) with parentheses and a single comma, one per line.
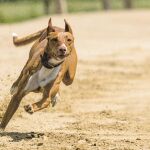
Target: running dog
(52,60)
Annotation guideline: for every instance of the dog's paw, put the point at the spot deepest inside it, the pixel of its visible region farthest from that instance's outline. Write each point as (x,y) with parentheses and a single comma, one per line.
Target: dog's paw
(55,100)
(29,109)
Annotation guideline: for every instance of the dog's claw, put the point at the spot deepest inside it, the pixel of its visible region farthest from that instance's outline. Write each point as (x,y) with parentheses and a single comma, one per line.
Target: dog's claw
(29,109)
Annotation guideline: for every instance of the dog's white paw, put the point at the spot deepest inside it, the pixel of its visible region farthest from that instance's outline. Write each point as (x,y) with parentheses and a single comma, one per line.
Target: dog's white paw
(29,109)
(14,34)
(55,99)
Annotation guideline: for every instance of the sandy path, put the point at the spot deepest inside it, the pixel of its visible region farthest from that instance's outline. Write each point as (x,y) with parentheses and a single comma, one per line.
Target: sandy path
(108,105)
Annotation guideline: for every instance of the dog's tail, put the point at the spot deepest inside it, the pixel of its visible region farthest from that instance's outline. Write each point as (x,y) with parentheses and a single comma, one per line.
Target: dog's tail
(27,39)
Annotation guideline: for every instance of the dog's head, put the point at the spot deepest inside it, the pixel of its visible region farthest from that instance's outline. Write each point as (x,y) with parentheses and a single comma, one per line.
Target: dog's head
(60,42)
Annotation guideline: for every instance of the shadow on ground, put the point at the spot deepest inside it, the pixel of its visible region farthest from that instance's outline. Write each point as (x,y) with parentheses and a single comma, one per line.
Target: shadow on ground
(17,136)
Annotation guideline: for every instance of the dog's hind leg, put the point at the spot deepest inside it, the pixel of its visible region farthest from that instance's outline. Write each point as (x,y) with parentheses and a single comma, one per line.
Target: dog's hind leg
(33,61)
(32,65)
(16,99)
(12,107)
(14,87)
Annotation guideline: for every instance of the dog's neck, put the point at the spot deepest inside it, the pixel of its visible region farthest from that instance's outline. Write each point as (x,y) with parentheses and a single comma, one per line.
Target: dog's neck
(50,62)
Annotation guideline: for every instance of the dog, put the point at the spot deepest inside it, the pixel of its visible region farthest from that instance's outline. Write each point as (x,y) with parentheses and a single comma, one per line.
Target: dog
(52,60)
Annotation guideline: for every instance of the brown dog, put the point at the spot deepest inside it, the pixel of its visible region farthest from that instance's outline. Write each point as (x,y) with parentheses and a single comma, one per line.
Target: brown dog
(52,59)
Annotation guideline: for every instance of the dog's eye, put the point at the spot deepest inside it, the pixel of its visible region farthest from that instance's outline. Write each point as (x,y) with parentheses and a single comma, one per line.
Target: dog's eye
(54,39)
(69,40)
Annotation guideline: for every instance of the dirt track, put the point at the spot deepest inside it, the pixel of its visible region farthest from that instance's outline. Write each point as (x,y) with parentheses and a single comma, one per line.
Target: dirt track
(107,107)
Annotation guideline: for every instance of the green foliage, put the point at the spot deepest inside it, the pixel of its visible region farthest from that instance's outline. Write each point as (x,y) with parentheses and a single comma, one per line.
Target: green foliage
(83,5)
(20,10)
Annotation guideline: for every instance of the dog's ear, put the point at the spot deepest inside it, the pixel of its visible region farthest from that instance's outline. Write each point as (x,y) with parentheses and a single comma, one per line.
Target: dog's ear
(67,27)
(50,27)
(47,31)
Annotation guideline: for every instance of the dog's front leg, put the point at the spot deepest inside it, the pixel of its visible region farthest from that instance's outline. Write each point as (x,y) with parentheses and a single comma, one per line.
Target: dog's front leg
(49,93)
(71,68)
(44,102)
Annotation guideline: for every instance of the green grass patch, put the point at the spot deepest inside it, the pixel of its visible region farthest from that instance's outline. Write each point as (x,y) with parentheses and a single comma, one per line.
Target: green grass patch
(19,11)
(84,5)
(142,4)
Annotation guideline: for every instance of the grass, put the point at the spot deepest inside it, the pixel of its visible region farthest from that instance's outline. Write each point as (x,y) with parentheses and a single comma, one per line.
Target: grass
(27,9)
(19,11)
(22,10)
(84,5)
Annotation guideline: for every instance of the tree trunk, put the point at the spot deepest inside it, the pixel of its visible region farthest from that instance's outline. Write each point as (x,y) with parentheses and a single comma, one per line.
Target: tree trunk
(46,6)
(106,4)
(61,6)
(128,4)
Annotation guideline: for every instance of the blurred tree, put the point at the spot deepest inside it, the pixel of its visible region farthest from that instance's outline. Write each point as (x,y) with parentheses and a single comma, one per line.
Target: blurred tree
(106,4)
(46,6)
(128,4)
(61,6)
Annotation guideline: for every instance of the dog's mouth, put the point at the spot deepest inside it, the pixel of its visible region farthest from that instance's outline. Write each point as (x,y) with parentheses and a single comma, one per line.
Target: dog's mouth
(45,60)
(62,56)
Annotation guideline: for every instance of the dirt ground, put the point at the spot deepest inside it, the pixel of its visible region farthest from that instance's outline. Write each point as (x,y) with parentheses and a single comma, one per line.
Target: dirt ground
(108,105)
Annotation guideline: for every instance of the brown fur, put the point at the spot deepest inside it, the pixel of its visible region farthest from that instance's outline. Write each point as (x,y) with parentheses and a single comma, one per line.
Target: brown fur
(66,73)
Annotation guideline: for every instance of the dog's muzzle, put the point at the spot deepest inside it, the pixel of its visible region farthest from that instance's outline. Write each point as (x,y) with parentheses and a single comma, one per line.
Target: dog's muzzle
(62,51)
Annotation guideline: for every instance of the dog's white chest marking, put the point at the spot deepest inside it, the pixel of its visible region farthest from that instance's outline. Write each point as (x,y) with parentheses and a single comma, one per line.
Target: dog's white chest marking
(41,78)
(47,75)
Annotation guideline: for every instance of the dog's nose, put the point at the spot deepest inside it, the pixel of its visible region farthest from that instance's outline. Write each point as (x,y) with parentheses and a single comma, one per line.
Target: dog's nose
(62,50)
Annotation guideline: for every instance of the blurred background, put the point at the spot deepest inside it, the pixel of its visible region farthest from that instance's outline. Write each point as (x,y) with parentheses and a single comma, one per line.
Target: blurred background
(20,10)
(108,105)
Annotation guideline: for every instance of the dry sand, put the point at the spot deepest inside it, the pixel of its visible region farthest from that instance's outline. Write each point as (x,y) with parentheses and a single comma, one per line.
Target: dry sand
(108,105)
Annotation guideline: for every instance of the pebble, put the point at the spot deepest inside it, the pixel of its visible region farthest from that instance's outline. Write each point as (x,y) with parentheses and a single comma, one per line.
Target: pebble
(66,148)
(29,136)
(94,144)
(40,144)
(34,135)
(45,138)
(81,145)
(88,140)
